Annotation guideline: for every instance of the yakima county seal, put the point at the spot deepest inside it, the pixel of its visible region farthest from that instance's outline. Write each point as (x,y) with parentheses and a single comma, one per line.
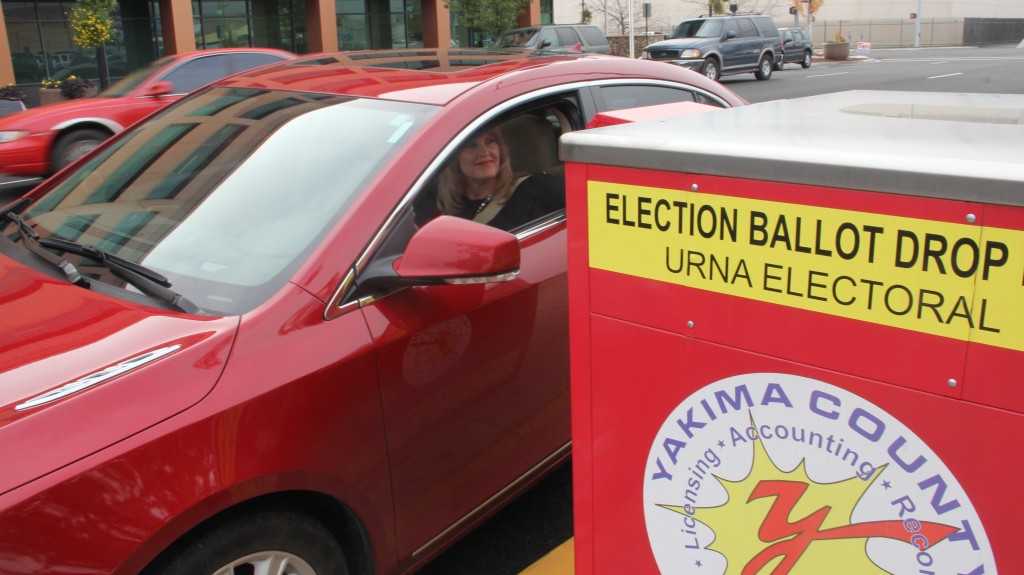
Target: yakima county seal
(777,474)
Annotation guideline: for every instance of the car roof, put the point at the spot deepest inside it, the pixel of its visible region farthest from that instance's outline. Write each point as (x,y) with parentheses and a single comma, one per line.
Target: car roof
(439,75)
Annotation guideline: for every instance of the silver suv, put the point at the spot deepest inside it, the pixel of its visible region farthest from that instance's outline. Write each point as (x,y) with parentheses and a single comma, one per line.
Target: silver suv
(555,38)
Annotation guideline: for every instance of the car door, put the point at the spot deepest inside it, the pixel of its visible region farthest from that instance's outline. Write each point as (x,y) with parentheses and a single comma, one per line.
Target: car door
(749,42)
(732,47)
(474,378)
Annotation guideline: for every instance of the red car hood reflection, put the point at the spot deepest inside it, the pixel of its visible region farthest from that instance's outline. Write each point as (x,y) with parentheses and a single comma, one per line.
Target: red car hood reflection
(80,371)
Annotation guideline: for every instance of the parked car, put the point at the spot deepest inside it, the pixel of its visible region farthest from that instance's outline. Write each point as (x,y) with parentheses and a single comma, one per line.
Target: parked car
(722,45)
(227,341)
(42,140)
(556,38)
(796,47)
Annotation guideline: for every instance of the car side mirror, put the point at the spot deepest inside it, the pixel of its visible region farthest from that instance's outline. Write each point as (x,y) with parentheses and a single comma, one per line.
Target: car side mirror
(544,44)
(730,34)
(159,89)
(448,250)
(788,41)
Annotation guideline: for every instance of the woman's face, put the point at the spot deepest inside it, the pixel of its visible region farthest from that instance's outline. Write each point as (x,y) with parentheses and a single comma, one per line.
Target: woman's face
(480,158)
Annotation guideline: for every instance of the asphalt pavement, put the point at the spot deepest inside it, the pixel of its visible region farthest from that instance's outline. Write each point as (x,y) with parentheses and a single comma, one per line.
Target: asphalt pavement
(13,187)
(517,537)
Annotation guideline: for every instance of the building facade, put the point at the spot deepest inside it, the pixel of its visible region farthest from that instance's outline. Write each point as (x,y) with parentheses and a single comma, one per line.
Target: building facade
(35,38)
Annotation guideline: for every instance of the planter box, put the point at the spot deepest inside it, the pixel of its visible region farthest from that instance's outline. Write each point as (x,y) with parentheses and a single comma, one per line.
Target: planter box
(49,96)
(836,50)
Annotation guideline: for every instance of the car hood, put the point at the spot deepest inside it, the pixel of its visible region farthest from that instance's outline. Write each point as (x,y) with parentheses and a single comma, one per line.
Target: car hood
(80,371)
(44,117)
(682,43)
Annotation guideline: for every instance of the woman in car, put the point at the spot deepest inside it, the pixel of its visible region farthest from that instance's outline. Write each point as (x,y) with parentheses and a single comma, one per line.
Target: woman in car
(478,184)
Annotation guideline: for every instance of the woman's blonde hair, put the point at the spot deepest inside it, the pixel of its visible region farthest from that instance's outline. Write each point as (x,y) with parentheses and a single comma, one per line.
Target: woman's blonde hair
(452,185)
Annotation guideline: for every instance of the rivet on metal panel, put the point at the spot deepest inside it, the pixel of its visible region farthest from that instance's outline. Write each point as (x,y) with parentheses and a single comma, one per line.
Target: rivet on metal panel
(695,187)
(689,324)
(971,218)
(951,383)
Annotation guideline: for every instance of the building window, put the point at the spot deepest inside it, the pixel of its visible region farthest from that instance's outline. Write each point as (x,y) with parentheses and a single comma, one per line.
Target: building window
(41,47)
(379,24)
(242,23)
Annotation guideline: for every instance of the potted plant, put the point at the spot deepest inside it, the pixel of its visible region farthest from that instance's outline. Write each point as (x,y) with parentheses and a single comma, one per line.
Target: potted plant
(837,48)
(49,91)
(74,87)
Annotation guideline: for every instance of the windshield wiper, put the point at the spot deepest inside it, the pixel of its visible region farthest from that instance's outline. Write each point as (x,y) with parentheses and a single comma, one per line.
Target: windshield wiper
(32,242)
(146,280)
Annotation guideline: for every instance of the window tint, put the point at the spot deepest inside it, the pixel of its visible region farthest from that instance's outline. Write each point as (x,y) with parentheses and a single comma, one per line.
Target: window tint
(746,28)
(702,99)
(197,73)
(624,97)
(567,37)
(248,60)
(592,36)
(547,35)
(767,27)
(730,26)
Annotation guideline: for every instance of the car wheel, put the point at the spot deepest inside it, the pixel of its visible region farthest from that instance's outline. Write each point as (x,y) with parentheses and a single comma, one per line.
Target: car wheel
(764,68)
(264,543)
(710,69)
(74,145)
(806,62)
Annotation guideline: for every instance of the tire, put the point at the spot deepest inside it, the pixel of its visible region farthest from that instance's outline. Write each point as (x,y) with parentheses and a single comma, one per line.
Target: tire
(259,543)
(711,69)
(764,68)
(806,62)
(73,145)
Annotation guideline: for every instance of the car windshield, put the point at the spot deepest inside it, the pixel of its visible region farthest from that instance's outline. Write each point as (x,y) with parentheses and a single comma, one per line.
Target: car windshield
(125,85)
(226,192)
(698,29)
(516,38)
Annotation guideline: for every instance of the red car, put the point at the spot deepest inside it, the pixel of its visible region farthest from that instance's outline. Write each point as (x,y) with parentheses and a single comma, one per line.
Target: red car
(40,141)
(227,340)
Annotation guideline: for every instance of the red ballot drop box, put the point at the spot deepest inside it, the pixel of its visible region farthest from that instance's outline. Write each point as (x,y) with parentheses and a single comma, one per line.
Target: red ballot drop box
(798,338)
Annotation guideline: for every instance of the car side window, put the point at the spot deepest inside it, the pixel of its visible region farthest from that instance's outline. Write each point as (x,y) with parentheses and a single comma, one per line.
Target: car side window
(528,138)
(593,36)
(622,97)
(746,29)
(198,73)
(730,26)
(247,60)
(547,35)
(567,37)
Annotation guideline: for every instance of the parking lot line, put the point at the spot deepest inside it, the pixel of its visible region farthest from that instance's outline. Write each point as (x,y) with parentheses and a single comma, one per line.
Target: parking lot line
(560,561)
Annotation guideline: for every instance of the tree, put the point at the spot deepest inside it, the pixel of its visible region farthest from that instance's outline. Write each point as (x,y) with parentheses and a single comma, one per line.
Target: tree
(616,16)
(91,27)
(492,17)
(807,9)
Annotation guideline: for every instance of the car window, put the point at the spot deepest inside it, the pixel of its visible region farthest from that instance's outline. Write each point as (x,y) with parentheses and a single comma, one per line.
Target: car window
(767,27)
(567,37)
(622,97)
(547,35)
(197,73)
(196,193)
(746,28)
(592,36)
(242,61)
(698,29)
(730,26)
(529,134)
